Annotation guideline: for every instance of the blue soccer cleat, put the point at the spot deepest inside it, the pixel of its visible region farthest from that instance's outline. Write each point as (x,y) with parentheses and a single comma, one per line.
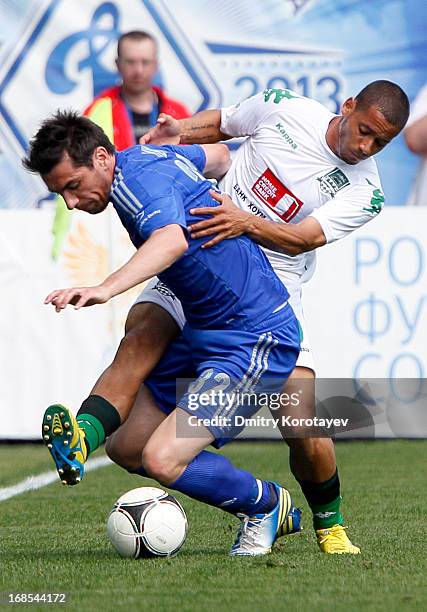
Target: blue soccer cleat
(258,533)
(66,443)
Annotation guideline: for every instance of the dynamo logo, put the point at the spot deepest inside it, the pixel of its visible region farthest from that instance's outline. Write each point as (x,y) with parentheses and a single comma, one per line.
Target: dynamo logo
(66,57)
(97,38)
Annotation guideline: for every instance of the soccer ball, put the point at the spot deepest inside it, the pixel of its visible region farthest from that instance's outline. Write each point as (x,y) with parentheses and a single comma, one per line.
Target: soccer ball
(147,522)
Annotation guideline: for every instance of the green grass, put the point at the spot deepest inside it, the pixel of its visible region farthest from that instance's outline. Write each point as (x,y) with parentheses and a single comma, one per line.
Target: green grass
(54,540)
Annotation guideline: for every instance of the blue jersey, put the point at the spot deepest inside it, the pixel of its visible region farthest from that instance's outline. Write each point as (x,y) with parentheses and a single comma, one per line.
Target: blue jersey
(229,286)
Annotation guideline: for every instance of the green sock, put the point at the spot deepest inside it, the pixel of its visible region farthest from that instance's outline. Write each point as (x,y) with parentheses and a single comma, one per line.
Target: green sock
(94,431)
(324,500)
(98,419)
(326,515)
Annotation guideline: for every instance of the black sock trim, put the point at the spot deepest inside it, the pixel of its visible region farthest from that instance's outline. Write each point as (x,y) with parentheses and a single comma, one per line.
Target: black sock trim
(102,410)
(319,493)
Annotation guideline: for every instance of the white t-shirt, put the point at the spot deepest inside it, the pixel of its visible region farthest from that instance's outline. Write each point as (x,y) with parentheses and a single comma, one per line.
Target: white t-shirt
(285,172)
(418,195)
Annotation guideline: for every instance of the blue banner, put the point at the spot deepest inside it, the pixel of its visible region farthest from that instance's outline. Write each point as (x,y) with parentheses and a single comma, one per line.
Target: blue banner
(60,53)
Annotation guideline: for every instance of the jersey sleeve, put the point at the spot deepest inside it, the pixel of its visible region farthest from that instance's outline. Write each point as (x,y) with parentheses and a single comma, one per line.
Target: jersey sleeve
(194,153)
(343,214)
(159,205)
(242,119)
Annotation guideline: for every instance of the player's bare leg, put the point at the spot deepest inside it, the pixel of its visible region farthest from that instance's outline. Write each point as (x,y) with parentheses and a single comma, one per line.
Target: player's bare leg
(126,444)
(311,458)
(312,461)
(149,330)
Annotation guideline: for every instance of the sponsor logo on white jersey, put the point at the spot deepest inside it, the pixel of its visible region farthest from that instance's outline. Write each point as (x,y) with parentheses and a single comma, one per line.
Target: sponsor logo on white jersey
(270,190)
(332,182)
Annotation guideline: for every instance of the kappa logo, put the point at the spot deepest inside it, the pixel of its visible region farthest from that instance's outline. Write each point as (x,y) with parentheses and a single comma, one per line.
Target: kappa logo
(284,134)
(332,182)
(377,200)
(270,190)
(277,95)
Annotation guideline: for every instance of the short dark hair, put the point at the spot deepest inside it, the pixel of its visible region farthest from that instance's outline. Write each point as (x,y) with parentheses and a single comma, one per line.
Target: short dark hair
(136,35)
(387,97)
(65,132)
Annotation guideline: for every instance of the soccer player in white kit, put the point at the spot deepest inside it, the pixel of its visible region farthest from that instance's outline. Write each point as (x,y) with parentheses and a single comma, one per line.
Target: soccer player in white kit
(304,177)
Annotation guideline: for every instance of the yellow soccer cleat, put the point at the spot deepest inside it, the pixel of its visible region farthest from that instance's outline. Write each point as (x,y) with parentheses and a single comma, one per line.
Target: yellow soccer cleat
(334,541)
(66,443)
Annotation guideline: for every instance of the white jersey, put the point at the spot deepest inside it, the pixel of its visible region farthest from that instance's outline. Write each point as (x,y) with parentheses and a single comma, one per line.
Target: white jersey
(286,172)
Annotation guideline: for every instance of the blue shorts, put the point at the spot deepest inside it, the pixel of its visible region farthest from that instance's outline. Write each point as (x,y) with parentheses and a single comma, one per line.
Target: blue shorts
(210,373)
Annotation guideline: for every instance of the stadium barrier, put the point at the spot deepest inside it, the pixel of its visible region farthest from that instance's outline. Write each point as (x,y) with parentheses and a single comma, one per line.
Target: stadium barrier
(365,306)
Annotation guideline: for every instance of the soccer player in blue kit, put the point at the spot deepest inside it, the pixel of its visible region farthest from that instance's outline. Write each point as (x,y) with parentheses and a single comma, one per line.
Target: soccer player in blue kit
(241,332)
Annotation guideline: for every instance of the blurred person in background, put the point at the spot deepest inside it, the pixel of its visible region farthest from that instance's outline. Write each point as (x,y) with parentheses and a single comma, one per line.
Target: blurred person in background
(416,138)
(127,111)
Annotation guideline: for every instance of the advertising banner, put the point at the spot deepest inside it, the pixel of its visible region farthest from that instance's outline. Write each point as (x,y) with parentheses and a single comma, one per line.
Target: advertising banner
(60,53)
(48,357)
(365,308)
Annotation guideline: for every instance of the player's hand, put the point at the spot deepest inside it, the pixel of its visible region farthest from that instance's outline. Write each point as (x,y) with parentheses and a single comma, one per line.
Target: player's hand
(165,132)
(227,221)
(78,297)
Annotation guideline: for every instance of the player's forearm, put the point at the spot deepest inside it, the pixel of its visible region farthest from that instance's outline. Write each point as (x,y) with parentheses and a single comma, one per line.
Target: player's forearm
(161,250)
(202,128)
(416,136)
(289,239)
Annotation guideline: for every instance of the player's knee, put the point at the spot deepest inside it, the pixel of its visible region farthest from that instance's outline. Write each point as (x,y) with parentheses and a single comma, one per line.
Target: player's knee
(117,452)
(312,449)
(114,452)
(160,464)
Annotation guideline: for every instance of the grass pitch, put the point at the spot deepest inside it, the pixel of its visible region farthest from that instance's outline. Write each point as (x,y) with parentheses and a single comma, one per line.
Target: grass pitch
(54,540)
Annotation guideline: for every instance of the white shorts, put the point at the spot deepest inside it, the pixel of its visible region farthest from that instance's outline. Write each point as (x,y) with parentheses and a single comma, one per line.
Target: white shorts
(158,293)
(305,357)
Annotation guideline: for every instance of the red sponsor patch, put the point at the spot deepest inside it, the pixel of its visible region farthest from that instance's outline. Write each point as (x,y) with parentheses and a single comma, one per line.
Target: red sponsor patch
(276,196)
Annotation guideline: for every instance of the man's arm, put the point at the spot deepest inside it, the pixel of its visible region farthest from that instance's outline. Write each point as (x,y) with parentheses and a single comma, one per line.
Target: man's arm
(165,246)
(201,128)
(416,136)
(218,160)
(290,239)
(242,119)
(229,221)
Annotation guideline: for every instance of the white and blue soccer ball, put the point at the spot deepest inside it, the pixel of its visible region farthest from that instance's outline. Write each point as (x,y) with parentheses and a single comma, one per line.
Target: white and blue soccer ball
(147,522)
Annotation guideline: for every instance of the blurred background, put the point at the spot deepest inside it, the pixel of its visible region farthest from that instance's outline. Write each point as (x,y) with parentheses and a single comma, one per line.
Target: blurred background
(61,54)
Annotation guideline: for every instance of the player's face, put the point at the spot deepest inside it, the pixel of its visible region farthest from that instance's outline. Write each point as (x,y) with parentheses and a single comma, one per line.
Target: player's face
(137,65)
(361,133)
(82,187)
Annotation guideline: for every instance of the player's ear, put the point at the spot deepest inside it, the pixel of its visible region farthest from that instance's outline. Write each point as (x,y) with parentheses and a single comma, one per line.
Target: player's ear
(101,155)
(348,106)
